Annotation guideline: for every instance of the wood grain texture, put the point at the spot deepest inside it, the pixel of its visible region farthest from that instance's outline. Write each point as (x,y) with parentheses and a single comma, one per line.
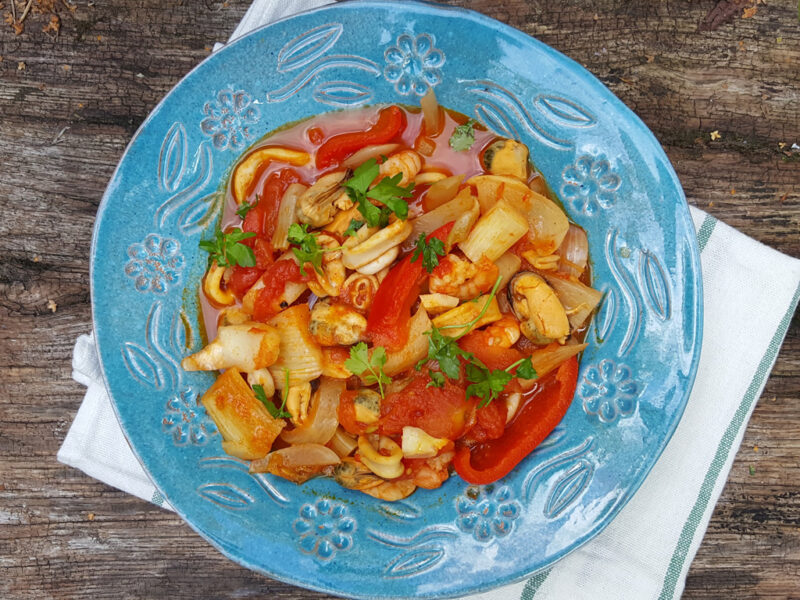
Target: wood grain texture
(65,119)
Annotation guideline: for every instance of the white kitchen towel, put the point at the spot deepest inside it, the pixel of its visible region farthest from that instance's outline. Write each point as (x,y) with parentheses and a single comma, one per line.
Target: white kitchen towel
(750,294)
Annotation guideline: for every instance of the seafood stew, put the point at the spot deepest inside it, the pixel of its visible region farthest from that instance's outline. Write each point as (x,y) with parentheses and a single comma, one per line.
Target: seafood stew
(393,293)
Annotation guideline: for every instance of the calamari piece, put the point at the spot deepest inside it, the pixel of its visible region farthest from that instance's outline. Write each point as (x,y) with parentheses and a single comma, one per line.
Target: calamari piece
(247,347)
(369,243)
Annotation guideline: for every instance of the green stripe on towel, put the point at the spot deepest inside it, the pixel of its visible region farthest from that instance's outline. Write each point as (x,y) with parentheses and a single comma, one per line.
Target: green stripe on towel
(739,418)
(533,585)
(535,582)
(705,231)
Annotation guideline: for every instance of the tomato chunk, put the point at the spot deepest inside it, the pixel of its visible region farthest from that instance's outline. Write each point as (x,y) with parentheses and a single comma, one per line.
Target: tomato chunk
(268,300)
(493,357)
(440,412)
(262,218)
(490,422)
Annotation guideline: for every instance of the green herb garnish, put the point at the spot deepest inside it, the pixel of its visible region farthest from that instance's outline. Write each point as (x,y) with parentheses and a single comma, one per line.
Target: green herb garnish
(463,136)
(446,352)
(246,206)
(277,413)
(485,383)
(430,250)
(308,250)
(387,192)
(361,362)
(525,369)
(437,379)
(353,228)
(227,250)
(392,195)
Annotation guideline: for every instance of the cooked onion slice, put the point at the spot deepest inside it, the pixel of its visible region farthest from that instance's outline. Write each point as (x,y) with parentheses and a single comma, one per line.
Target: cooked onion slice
(297,463)
(286,216)
(579,300)
(368,152)
(574,252)
(322,420)
(430,112)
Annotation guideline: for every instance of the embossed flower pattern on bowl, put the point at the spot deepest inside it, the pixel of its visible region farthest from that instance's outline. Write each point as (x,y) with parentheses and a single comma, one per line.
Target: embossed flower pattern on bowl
(228,119)
(324,528)
(413,63)
(590,184)
(608,391)
(155,264)
(186,421)
(487,511)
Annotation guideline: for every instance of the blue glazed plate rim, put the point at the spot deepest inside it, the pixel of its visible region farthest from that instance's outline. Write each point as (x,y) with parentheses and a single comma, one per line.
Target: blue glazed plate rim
(681,213)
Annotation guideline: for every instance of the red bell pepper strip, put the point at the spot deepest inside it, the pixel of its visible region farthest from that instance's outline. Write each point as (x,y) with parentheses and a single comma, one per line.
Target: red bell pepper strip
(390,123)
(487,462)
(388,321)
(262,218)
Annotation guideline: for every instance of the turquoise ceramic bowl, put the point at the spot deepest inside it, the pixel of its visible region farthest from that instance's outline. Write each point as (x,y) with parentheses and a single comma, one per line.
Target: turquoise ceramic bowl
(613,179)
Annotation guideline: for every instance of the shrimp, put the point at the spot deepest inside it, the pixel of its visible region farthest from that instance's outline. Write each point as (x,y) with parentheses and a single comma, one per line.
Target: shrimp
(434,472)
(461,278)
(391,491)
(352,474)
(503,333)
(408,163)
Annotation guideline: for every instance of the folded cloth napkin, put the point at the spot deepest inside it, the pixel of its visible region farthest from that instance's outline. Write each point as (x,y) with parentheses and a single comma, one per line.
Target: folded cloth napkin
(750,293)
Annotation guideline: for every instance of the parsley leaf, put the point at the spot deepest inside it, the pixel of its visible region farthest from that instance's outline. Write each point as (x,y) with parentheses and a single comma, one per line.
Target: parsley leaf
(246,206)
(437,379)
(486,384)
(353,228)
(362,177)
(463,136)
(430,250)
(277,413)
(387,192)
(361,362)
(375,216)
(309,250)
(525,369)
(445,351)
(391,195)
(227,250)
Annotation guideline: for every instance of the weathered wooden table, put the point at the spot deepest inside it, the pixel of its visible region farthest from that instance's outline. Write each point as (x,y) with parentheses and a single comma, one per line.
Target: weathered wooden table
(74,89)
